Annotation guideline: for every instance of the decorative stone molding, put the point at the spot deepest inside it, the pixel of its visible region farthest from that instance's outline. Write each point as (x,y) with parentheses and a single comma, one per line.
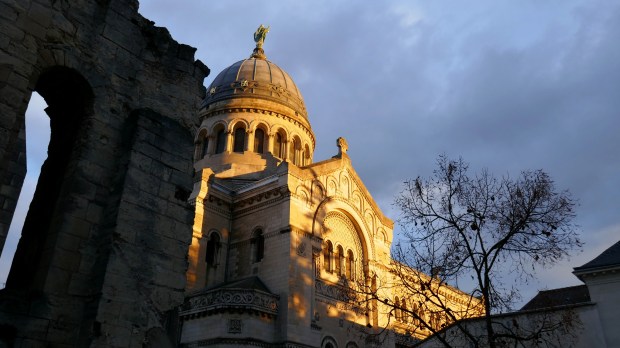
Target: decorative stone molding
(217,205)
(301,248)
(244,300)
(235,326)
(305,234)
(336,292)
(281,192)
(341,296)
(259,90)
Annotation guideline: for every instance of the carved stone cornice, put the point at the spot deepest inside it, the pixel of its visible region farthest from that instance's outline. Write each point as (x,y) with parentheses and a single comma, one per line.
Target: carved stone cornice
(344,296)
(217,300)
(275,192)
(261,200)
(306,234)
(217,205)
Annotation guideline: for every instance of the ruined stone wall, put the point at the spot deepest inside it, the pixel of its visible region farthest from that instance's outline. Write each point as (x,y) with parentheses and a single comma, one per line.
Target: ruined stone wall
(102,257)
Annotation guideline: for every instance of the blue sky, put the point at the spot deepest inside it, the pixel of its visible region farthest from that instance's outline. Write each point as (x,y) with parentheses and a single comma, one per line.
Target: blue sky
(508,86)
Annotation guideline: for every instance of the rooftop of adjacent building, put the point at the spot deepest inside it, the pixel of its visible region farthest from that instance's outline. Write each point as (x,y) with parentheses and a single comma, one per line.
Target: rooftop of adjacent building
(610,258)
(558,297)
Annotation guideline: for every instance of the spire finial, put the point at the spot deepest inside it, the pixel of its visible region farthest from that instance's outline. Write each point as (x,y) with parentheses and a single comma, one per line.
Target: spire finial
(259,38)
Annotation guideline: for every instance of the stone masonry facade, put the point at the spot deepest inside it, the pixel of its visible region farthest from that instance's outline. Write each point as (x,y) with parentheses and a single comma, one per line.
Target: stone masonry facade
(103,253)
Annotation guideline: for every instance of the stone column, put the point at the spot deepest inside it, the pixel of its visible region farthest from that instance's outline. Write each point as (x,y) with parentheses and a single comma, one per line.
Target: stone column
(229,142)
(270,141)
(249,144)
(287,146)
(211,145)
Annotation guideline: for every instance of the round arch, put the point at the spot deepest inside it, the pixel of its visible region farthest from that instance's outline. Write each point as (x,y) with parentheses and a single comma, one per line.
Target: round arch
(256,124)
(333,204)
(236,123)
(329,342)
(69,98)
(202,132)
(220,124)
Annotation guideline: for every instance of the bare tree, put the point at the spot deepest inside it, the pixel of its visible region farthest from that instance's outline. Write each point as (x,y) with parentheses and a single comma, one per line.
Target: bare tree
(481,232)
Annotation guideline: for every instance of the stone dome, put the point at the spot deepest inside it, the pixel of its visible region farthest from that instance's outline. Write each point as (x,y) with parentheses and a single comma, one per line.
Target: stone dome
(253,118)
(256,78)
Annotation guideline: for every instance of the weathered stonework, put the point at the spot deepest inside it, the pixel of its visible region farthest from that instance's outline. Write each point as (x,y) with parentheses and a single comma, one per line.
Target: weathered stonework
(102,257)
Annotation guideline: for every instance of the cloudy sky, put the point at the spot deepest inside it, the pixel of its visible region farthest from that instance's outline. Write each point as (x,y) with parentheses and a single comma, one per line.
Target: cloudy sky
(506,85)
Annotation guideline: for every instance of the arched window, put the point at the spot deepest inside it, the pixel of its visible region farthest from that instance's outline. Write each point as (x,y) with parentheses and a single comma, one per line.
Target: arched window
(329,342)
(69,100)
(328,255)
(259,245)
(259,140)
(404,313)
(204,146)
(350,265)
(277,145)
(213,249)
(239,140)
(340,267)
(220,141)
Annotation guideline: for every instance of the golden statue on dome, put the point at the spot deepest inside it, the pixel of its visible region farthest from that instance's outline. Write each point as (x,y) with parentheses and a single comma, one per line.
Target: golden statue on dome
(259,38)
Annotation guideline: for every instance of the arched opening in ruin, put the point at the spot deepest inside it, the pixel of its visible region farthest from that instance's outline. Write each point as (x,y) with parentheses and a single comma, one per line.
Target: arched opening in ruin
(69,99)
(37,139)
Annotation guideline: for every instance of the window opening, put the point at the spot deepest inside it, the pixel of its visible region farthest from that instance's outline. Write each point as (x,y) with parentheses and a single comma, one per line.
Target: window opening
(340,261)
(259,140)
(239,142)
(205,146)
(259,245)
(277,146)
(220,142)
(69,99)
(213,247)
(37,138)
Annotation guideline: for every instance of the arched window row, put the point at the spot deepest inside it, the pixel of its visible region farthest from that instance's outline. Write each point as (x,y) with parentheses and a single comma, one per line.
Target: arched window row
(337,261)
(283,145)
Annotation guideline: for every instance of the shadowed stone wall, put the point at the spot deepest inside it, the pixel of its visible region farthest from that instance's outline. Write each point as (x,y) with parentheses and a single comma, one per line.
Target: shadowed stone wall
(102,257)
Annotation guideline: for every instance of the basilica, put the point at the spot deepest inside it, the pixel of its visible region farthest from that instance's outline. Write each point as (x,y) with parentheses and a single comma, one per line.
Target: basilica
(285,251)
(167,214)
